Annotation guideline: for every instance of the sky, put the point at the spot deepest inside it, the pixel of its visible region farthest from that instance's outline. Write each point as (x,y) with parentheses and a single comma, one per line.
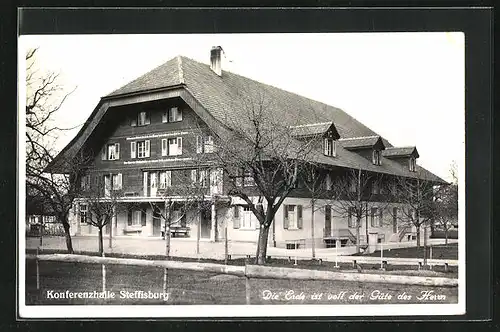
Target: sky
(407,87)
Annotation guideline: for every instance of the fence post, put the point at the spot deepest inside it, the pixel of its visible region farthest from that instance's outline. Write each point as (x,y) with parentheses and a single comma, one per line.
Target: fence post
(381,256)
(103,276)
(165,278)
(41,231)
(247,287)
(430,257)
(226,249)
(295,263)
(37,271)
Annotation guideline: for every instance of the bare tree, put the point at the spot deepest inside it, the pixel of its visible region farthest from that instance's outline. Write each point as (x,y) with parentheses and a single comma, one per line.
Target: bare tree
(44,97)
(446,204)
(416,197)
(318,184)
(101,198)
(261,158)
(351,194)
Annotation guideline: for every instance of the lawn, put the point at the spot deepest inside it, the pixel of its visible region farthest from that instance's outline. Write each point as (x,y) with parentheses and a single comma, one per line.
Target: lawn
(187,287)
(437,271)
(449,251)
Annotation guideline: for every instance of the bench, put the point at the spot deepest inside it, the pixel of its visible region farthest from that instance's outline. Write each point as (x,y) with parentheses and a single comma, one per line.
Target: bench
(178,231)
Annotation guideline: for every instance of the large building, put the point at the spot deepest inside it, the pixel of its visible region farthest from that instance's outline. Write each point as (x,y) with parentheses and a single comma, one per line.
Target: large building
(142,134)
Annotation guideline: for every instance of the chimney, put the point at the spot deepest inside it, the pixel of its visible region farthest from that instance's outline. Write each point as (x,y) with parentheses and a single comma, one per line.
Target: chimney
(215,60)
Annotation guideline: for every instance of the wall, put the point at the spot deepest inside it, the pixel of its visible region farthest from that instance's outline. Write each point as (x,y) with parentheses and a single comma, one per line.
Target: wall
(115,128)
(304,235)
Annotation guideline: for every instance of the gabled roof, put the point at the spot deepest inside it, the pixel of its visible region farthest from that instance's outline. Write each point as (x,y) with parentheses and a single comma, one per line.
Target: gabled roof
(356,143)
(222,97)
(314,129)
(400,152)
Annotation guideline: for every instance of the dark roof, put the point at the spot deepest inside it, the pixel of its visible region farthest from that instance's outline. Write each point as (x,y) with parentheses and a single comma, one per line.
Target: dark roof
(398,152)
(223,97)
(312,129)
(360,142)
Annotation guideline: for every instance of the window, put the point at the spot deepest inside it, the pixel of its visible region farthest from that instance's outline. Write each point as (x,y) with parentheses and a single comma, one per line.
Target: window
(329,147)
(353,185)
(171,146)
(373,219)
(165,179)
(248,180)
(199,144)
(328,182)
(199,177)
(140,149)
(85,182)
(137,218)
(351,217)
(113,151)
(83,213)
(413,164)
(205,144)
(209,144)
(248,221)
(244,179)
(376,157)
(173,114)
(375,187)
(117,181)
(141,119)
(292,216)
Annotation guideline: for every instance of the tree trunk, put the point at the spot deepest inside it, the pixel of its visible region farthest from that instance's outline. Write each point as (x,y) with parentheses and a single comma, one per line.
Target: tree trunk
(111,234)
(358,226)
(418,236)
(425,245)
(167,240)
(313,247)
(260,258)
(167,229)
(67,235)
(101,249)
(446,236)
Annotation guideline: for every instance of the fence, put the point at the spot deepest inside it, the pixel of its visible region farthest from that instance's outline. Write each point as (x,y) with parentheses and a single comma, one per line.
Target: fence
(247,271)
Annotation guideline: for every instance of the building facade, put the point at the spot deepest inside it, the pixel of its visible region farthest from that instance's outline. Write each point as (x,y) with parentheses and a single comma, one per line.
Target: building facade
(153,139)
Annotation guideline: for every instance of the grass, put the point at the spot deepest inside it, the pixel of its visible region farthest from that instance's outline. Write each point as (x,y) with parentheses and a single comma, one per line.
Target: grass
(188,287)
(449,251)
(452,271)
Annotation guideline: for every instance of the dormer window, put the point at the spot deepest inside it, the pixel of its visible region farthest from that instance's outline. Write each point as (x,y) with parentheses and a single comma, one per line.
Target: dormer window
(413,164)
(329,147)
(376,157)
(173,114)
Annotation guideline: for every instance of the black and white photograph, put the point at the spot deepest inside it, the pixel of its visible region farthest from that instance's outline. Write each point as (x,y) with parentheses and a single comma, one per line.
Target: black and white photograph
(245,175)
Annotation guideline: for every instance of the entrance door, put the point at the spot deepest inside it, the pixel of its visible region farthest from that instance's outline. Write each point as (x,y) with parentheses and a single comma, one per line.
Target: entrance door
(156,222)
(206,223)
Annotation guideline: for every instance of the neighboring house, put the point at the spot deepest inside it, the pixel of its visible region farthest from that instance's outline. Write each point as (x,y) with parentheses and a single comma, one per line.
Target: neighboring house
(150,128)
(39,214)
